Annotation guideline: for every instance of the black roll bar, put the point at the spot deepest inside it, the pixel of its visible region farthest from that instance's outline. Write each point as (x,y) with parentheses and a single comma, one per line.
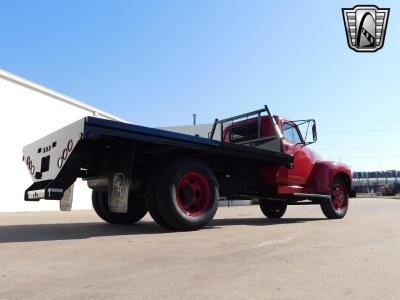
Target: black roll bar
(278,133)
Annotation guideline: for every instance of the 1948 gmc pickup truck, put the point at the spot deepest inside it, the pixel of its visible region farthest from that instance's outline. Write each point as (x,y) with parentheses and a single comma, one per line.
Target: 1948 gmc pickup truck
(180,178)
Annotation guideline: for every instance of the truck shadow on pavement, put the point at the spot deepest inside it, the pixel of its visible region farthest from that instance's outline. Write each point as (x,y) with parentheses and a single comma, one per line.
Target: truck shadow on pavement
(75,231)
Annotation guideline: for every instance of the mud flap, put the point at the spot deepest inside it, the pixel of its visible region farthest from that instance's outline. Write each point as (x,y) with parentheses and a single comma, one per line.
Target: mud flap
(118,193)
(66,200)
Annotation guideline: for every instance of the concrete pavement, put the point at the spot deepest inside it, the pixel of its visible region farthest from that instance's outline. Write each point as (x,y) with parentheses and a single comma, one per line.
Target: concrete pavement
(241,255)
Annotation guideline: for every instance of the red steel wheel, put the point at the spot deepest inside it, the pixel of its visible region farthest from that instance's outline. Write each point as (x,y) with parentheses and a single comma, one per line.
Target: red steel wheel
(187,195)
(193,193)
(336,207)
(338,197)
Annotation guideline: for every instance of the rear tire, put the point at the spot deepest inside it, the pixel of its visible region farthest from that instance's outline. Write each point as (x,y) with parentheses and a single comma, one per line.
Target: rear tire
(136,209)
(151,204)
(187,195)
(272,209)
(336,207)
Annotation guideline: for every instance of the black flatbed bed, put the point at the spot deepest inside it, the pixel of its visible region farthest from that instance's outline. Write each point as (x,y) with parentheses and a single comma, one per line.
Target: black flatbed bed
(92,147)
(96,127)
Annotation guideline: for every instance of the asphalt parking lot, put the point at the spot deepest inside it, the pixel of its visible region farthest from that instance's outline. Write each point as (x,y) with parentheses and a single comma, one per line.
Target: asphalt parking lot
(241,255)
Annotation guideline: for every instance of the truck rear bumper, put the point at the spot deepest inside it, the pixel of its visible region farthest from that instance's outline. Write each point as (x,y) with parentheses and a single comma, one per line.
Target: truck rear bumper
(50,194)
(47,189)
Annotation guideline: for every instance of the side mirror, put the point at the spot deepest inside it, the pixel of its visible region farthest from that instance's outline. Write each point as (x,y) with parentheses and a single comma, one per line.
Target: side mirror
(308,129)
(314,131)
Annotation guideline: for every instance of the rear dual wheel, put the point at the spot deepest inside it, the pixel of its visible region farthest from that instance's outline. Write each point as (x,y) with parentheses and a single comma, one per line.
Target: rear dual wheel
(151,189)
(184,196)
(136,209)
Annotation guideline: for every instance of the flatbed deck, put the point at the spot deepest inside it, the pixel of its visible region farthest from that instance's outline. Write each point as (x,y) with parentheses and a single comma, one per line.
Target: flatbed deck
(159,138)
(56,160)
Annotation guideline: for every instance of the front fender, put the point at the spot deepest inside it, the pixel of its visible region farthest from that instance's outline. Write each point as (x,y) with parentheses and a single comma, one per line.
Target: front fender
(326,171)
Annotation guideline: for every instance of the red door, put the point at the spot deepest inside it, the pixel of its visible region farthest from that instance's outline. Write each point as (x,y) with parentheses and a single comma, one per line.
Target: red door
(303,160)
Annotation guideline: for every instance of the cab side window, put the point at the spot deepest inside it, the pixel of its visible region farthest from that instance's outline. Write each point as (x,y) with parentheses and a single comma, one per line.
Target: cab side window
(291,134)
(244,132)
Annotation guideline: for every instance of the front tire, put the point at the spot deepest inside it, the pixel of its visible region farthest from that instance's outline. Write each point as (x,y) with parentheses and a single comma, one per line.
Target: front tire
(272,209)
(187,195)
(336,207)
(136,209)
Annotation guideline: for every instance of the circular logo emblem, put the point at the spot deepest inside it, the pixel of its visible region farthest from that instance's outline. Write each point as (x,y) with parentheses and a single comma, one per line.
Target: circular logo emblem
(119,184)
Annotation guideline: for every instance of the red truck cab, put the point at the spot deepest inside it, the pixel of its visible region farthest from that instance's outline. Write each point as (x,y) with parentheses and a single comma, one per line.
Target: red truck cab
(309,178)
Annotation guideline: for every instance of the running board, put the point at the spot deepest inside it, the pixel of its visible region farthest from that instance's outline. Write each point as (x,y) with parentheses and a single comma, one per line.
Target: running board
(311,196)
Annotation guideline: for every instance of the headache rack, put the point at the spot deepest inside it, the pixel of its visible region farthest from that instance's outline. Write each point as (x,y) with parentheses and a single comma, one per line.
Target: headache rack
(240,122)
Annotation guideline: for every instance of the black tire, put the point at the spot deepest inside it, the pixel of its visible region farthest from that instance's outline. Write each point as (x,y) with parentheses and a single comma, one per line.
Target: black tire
(136,209)
(96,204)
(332,209)
(273,209)
(197,185)
(150,197)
